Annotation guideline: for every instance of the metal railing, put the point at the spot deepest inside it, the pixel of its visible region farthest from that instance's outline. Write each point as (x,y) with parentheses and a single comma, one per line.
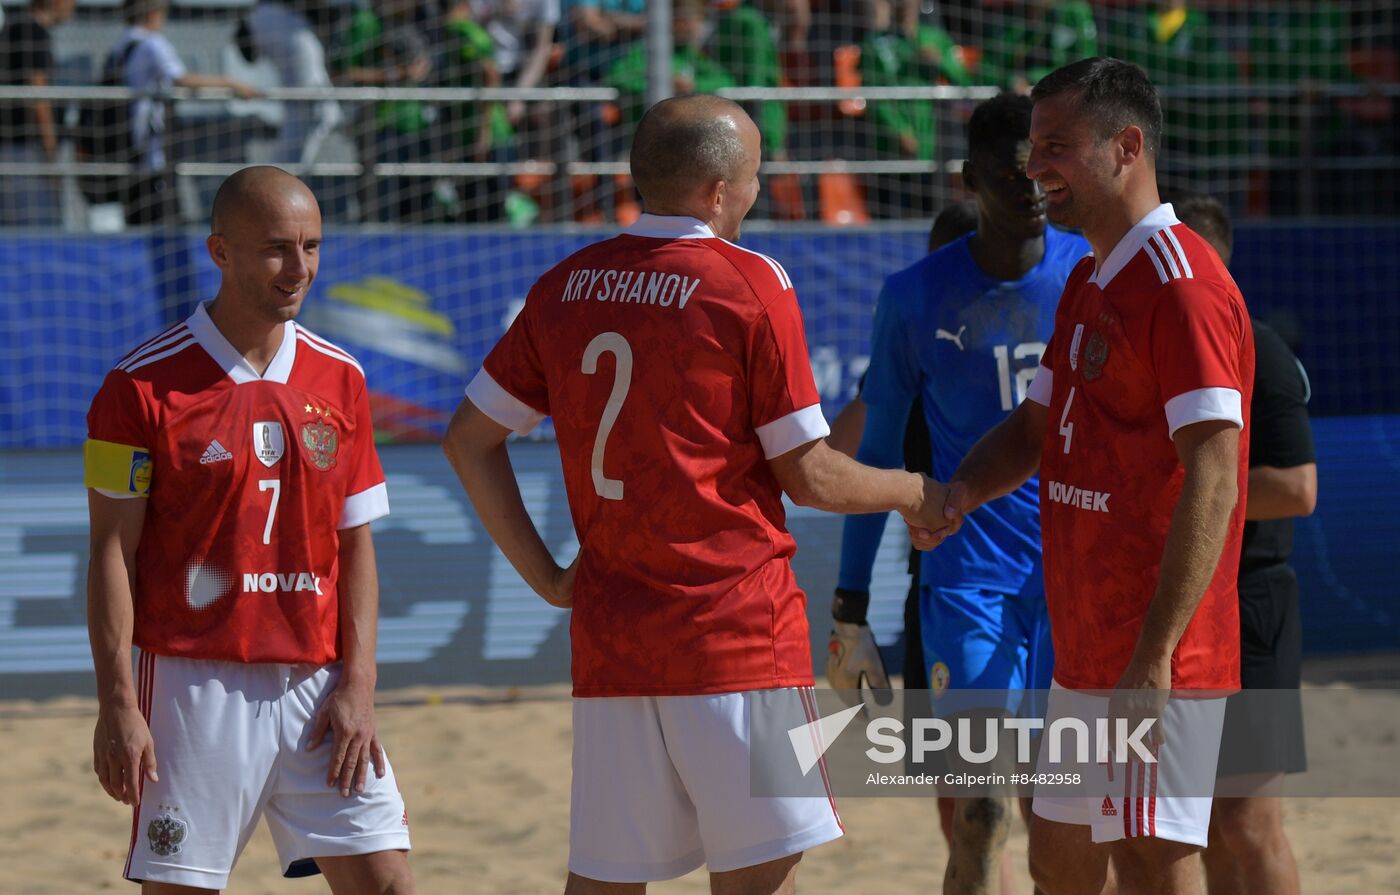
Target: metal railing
(1308,162)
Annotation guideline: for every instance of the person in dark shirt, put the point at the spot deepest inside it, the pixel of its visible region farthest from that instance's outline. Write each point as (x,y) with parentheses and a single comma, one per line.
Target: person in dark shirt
(1249,851)
(28,132)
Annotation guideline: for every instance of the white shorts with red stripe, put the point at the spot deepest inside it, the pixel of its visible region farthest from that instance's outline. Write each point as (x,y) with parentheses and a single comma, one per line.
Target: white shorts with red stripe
(1167,799)
(230,742)
(661,786)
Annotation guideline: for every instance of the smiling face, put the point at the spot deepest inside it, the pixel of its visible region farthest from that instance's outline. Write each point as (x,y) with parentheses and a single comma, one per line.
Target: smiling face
(269,253)
(1007,199)
(1071,160)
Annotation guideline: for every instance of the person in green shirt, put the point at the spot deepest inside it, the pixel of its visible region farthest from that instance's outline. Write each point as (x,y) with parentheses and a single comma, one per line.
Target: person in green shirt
(693,71)
(1175,43)
(742,43)
(1034,38)
(933,45)
(468,131)
(383,47)
(892,56)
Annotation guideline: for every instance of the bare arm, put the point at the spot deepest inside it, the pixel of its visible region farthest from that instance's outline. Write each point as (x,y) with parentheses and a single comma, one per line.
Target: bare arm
(359,607)
(348,712)
(532,72)
(814,475)
(476,447)
(600,25)
(591,22)
(847,428)
(1002,460)
(122,747)
(1281,492)
(491,77)
(192,79)
(1209,451)
(631,25)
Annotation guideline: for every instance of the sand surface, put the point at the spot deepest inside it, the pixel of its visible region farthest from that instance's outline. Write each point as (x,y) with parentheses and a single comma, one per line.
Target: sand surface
(486,777)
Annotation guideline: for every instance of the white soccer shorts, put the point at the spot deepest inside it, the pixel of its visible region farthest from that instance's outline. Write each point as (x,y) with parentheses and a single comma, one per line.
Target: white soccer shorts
(230,742)
(1169,799)
(661,787)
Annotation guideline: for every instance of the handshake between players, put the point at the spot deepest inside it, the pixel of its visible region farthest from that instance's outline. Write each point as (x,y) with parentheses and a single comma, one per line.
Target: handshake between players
(853,660)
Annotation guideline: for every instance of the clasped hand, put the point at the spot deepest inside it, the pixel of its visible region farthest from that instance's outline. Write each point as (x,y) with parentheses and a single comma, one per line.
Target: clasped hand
(940,515)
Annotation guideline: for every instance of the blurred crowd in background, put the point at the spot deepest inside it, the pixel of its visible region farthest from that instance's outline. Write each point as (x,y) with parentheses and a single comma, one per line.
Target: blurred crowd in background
(1280,108)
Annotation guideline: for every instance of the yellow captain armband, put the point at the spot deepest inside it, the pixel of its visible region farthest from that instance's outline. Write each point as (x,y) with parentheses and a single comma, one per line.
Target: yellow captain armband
(118,468)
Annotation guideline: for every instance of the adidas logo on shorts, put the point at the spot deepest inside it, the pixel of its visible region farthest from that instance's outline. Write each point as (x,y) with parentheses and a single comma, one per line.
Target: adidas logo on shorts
(215,453)
(1108,809)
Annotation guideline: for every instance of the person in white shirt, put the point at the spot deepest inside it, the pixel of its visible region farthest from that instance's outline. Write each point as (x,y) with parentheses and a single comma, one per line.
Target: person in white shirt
(152,68)
(524,31)
(284,36)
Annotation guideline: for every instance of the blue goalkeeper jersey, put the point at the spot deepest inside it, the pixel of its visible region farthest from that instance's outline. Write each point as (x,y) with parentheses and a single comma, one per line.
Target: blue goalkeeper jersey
(968,344)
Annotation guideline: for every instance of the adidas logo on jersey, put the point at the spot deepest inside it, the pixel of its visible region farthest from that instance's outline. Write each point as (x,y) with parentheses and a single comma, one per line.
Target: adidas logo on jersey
(215,453)
(1108,810)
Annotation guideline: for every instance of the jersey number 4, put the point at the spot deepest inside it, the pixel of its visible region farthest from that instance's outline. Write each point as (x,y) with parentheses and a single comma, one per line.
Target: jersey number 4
(1066,427)
(609,489)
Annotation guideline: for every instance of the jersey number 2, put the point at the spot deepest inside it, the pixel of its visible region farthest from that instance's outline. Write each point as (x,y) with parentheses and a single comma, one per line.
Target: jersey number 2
(609,489)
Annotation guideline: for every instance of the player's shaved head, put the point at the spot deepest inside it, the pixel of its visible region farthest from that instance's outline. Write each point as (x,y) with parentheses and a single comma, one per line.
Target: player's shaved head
(245,195)
(266,241)
(687,142)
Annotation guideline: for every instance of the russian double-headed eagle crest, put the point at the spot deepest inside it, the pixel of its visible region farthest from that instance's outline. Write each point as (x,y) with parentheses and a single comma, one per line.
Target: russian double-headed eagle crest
(320,440)
(166,833)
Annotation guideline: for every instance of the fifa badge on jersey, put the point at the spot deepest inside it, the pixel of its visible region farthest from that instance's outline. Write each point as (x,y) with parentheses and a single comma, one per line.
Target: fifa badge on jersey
(166,833)
(320,439)
(1074,346)
(1095,356)
(268,443)
(938,678)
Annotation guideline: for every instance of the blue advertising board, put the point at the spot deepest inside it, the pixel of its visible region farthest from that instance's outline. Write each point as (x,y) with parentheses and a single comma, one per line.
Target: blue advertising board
(420,310)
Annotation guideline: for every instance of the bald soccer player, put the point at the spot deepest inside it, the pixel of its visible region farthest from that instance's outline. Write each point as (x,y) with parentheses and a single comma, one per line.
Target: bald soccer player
(231,477)
(675,367)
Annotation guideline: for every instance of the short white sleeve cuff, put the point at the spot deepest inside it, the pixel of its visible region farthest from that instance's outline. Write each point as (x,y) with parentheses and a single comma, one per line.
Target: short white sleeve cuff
(117,495)
(1039,389)
(793,430)
(366,506)
(499,404)
(1202,405)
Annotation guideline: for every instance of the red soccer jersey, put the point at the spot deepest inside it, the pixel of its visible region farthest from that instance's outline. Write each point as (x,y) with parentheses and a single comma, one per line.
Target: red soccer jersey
(674,364)
(249,480)
(1157,339)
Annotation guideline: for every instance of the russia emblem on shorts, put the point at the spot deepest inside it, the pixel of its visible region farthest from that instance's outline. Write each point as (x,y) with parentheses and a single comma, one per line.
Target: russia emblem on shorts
(320,440)
(268,444)
(166,833)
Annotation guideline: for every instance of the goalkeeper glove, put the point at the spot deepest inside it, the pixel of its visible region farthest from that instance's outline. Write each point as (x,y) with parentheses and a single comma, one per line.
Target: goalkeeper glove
(853,660)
